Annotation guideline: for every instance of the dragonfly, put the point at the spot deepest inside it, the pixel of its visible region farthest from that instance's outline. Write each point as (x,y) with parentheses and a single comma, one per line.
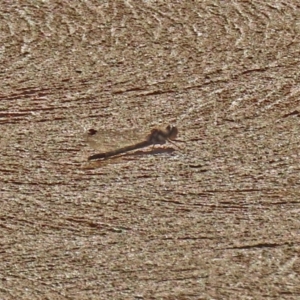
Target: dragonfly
(155,137)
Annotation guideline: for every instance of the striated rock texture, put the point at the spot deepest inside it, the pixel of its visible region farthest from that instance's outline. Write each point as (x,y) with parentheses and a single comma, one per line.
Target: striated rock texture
(216,218)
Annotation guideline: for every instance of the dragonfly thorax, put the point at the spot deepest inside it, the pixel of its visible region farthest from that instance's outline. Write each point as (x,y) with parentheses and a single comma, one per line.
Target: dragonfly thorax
(157,137)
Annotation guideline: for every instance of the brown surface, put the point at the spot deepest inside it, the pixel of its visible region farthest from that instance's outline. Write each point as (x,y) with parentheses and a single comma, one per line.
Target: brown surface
(217,220)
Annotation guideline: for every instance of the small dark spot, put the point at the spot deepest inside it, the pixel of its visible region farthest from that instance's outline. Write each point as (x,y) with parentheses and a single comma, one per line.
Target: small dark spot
(92,132)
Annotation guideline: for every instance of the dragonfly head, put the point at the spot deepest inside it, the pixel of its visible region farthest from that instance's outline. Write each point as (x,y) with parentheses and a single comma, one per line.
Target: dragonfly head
(159,136)
(172,132)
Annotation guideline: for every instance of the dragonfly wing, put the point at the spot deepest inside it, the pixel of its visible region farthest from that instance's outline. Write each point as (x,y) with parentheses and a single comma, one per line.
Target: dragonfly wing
(108,140)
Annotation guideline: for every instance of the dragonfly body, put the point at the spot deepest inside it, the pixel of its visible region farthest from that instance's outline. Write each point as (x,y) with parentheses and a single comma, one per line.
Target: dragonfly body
(156,137)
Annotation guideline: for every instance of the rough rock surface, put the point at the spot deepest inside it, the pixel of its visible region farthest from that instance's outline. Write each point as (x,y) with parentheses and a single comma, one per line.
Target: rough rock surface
(217,218)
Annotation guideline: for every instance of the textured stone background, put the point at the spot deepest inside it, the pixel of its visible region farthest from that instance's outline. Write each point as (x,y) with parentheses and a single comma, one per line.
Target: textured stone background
(218,219)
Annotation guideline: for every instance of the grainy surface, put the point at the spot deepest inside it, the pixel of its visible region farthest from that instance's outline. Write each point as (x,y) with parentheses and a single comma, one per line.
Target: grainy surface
(218,219)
